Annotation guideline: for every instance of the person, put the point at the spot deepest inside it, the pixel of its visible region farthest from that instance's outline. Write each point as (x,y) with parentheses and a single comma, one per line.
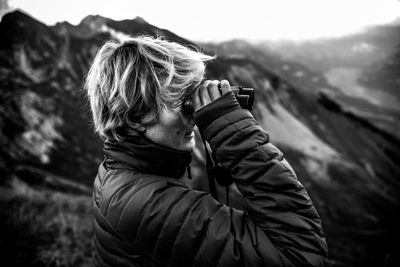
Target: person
(144,214)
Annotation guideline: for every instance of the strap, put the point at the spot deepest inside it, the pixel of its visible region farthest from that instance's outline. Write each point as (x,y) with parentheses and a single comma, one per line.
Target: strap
(216,173)
(210,170)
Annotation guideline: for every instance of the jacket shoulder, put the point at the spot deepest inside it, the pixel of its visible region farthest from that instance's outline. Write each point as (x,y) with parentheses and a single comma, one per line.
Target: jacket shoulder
(124,196)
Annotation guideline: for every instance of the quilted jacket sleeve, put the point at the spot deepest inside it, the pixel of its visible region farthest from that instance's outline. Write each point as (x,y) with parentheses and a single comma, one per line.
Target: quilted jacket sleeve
(278,208)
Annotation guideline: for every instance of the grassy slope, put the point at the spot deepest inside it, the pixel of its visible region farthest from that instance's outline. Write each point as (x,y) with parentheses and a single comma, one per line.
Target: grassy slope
(43,227)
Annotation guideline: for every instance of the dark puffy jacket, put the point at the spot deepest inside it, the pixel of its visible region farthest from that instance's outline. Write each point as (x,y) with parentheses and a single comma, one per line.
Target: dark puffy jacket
(144,216)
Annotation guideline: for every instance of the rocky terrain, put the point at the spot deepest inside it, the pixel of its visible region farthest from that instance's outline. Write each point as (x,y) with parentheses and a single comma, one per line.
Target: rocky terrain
(336,122)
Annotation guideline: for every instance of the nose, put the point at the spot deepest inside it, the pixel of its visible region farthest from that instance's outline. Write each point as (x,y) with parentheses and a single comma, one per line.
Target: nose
(191,122)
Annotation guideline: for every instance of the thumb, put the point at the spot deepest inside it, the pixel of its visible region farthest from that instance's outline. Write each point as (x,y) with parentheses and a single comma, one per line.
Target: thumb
(225,87)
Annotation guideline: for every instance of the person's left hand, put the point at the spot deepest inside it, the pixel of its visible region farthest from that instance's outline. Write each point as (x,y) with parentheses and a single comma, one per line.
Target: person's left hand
(209,91)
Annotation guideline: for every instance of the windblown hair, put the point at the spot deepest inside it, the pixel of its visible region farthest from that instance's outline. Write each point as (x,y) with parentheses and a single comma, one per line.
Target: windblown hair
(130,82)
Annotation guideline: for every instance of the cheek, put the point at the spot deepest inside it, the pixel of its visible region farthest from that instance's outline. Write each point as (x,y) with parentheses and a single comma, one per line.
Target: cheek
(176,125)
(173,130)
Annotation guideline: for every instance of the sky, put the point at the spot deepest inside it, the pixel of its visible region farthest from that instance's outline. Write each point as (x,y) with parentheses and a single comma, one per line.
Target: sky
(218,20)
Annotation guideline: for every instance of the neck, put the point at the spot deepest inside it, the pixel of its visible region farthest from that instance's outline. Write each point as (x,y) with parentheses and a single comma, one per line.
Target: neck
(143,155)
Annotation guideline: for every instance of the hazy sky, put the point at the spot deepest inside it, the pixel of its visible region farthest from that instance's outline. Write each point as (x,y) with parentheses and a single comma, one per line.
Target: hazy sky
(224,19)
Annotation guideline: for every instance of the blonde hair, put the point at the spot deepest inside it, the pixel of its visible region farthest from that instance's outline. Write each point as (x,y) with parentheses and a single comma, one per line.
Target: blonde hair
(130,82)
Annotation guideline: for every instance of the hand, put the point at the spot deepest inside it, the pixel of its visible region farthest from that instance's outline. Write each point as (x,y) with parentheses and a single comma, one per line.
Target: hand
(209,91)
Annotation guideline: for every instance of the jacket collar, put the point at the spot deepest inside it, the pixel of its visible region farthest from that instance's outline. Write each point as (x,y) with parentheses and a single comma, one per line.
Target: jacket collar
(143,155)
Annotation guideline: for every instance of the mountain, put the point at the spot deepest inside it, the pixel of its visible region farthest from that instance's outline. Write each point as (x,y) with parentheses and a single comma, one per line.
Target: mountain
(344,149)
(384,75)
(363,67)
(92,25)
(372,44)
(42,103)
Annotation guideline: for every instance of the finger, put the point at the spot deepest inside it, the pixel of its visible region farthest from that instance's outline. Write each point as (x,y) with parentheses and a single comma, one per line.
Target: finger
(204,95)
(198,100)
(213,90)
(225,87)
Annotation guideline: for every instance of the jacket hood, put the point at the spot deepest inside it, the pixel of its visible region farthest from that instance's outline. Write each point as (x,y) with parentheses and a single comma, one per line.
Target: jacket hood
(143,155)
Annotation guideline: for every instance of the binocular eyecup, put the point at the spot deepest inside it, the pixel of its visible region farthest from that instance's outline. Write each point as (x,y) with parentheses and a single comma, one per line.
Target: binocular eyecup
(245,97)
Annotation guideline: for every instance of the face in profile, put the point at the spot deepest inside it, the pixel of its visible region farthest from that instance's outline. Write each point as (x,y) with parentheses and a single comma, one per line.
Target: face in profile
(174,129)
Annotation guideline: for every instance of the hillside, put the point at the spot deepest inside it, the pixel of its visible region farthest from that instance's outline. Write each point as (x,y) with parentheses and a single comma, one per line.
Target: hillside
(344,149)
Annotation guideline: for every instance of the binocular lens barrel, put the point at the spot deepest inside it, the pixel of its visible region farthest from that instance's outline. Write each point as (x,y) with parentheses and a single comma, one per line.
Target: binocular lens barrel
(245,97)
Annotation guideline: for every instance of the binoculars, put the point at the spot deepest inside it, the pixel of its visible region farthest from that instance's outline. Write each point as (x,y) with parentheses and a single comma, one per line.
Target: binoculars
(245,97)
